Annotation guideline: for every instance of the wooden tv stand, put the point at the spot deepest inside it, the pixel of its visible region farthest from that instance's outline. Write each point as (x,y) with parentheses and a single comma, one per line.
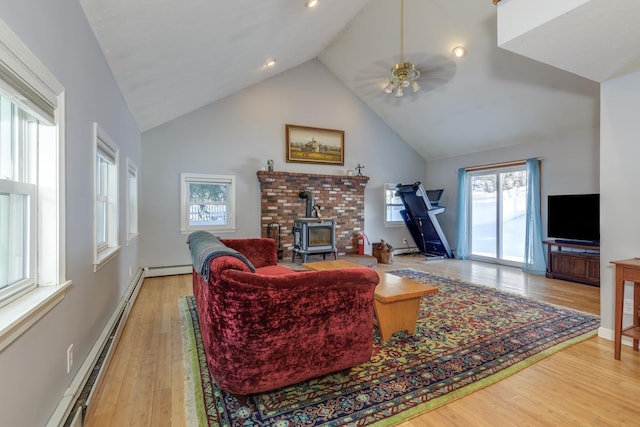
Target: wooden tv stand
(581,267)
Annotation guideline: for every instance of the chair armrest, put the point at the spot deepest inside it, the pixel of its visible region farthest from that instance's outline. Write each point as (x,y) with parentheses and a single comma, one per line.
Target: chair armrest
(220,264)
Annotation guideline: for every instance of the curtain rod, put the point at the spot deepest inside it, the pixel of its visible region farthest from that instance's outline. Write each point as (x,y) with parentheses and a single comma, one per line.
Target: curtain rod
(498,165)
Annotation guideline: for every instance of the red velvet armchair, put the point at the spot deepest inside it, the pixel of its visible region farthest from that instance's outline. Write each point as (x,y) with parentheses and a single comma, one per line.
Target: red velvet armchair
(275,327)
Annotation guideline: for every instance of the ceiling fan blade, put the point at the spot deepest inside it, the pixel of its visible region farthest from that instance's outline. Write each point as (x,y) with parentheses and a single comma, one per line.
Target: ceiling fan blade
(371,80)
(437,72)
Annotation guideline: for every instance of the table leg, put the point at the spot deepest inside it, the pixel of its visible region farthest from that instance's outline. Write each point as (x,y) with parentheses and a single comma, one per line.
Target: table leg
(618,312)
(636,314)
(397,316)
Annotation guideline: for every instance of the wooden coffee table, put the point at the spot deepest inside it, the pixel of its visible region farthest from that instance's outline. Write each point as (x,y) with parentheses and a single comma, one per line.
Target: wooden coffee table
(396,302)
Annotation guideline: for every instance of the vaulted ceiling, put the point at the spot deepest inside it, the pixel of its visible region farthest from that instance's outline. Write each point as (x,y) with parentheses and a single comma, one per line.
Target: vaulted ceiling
(171,57)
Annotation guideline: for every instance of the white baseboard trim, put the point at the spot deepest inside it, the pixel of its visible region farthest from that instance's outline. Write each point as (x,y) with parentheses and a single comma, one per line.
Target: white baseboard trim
(70,405)
(608,334)
(167,270)
(605,333)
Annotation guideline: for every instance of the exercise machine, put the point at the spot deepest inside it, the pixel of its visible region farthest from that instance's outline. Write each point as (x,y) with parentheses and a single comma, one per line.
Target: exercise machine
(419,215)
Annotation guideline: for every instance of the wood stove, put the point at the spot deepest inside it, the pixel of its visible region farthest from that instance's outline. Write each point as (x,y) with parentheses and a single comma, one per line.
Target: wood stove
(314,236)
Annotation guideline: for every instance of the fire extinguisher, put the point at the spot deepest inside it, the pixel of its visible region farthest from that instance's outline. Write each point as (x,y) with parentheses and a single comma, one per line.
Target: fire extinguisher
(361,244)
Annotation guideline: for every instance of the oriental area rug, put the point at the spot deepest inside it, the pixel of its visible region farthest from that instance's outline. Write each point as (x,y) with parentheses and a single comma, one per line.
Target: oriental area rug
(467,337)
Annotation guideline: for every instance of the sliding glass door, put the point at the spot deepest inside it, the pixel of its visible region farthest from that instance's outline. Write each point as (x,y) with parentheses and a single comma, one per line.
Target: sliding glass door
(498,201)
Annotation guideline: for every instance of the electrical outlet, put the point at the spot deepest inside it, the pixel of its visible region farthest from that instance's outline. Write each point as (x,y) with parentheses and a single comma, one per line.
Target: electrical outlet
(69,358)
(405,241)
(628,306)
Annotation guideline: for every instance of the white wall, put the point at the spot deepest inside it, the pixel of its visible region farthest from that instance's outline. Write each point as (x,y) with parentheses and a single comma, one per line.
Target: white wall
(570,164)
(238,134)
(33,368)
(518,17)
(619,178)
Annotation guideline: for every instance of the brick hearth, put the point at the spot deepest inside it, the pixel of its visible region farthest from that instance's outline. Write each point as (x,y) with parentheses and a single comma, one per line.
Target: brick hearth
(340,198)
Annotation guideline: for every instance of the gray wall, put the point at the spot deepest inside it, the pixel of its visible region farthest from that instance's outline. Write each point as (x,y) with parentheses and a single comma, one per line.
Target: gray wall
(570,164)
(33,368)
(238,134)
(619,178)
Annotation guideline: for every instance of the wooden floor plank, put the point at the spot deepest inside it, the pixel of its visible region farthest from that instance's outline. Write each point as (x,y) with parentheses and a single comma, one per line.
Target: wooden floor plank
(581,385)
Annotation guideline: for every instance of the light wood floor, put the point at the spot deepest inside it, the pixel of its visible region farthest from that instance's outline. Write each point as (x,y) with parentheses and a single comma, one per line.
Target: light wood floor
(579,386)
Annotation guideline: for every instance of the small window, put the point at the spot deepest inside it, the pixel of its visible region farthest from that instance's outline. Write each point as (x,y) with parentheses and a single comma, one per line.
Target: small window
(132,200)
(106,198)
(392,206)
(207,202)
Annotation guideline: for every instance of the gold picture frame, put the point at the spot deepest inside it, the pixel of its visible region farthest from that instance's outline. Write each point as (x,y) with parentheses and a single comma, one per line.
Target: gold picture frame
(306,144)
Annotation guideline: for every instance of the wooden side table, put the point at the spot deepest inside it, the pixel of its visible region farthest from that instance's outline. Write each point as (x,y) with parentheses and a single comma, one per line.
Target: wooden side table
(626,270)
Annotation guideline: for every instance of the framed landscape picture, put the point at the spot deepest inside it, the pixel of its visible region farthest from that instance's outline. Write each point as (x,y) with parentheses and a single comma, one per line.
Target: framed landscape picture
(314,145)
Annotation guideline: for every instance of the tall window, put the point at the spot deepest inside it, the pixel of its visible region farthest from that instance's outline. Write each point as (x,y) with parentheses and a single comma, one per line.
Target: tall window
(132,200)
(106,198)
(31,176)
(392,206)
(207,202)
(18,201)
(498,206)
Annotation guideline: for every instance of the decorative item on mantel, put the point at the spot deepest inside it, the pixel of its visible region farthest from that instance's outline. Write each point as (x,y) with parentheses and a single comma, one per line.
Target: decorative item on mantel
(359,169)
(270,165)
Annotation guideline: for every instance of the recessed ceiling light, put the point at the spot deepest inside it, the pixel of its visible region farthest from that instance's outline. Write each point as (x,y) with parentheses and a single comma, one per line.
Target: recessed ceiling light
(312,3)
(270,63)
(459,51)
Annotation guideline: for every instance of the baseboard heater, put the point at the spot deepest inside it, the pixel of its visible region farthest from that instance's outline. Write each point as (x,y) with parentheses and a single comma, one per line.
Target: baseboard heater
(406,251)
(167,270)
(72,409)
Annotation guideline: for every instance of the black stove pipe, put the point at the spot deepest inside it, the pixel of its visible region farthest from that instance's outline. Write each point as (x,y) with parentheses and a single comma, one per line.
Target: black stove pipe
(308,213)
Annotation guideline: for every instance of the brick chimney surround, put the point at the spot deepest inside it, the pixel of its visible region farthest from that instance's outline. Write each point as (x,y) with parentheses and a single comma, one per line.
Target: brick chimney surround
(340,198)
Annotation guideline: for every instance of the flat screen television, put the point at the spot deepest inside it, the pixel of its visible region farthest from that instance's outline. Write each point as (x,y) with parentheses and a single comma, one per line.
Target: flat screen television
(574,218)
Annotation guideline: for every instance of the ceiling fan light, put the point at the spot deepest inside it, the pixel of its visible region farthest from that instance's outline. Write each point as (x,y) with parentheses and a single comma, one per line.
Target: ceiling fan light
(312,3)
(415,86)
(405,83)
(399,92)
(389,87)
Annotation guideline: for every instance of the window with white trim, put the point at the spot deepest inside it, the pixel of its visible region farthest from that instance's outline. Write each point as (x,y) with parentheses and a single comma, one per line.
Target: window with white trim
(18,200)
(207,202)
(31,184)
(106,233)
(392,206)
(132,200)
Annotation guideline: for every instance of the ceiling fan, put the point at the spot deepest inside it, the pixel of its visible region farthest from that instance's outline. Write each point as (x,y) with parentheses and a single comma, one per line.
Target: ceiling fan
(406,75)
(403,74)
